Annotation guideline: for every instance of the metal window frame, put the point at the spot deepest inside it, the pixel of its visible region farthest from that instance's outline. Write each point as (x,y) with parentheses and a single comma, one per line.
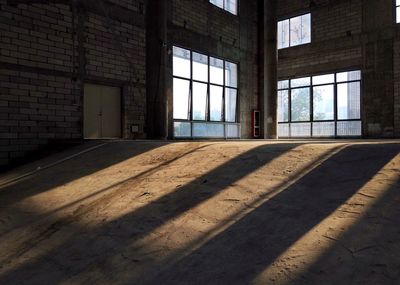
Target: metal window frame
(225,9)
(290,21)
(224,87)
(311,121)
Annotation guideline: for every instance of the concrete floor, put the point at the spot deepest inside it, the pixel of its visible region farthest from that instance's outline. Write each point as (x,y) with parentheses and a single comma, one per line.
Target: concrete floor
(250,212)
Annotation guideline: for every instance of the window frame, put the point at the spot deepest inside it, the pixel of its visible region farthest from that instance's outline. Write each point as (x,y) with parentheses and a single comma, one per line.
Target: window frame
(311,86)
(224,87)
(223,7)
(289,40)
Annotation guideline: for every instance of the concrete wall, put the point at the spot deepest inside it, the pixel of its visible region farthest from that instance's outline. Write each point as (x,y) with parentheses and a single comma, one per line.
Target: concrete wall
(351,35)
(47,53)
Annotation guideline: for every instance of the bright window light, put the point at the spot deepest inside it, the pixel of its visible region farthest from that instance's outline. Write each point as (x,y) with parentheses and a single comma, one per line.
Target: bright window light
(227,5)
(205,95)
(326,105)
(294,31)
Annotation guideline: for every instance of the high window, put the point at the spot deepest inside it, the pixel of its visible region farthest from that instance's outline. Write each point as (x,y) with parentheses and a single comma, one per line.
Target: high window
(294,31)
(228,5)
(320,106)
(397,11)
(205,95)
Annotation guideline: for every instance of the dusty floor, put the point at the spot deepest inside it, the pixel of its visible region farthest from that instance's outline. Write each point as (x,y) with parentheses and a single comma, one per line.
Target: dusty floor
(205,213)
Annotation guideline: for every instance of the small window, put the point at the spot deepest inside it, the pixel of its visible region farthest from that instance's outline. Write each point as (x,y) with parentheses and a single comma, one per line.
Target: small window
(227,5)
(294,31)
(397,11)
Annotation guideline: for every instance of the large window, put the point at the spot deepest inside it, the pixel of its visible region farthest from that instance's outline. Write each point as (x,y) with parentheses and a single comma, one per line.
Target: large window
(228,5)
(205,95)
(320,106)
(397,11)
(294,31)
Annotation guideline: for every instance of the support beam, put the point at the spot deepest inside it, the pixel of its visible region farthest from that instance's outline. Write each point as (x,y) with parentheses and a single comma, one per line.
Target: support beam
(156,62)
(268,61)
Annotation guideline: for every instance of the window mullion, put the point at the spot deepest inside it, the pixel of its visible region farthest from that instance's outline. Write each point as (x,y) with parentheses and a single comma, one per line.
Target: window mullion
(191,86)
(335,103)
(223,94)
(311,107)
(208,118)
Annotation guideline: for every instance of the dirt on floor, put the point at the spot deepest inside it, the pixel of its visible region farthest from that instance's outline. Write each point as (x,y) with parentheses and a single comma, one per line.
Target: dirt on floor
(240,212)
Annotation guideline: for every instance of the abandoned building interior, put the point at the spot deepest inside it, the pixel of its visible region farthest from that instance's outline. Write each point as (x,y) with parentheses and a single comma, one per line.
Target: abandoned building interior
(230,98)
(75,70)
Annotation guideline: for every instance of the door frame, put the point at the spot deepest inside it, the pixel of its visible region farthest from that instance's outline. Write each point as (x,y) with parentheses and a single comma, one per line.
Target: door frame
(122,106)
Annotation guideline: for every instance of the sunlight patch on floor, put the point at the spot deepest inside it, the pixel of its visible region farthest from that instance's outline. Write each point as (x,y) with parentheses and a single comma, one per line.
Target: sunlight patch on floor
(329,232)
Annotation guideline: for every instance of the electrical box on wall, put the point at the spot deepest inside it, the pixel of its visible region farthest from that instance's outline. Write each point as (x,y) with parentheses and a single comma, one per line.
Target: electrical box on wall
(134,129)
(255,123)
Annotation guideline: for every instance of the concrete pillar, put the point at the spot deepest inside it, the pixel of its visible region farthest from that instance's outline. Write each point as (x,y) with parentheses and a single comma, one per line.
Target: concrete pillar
(268,74)
(156,62)
(378,88)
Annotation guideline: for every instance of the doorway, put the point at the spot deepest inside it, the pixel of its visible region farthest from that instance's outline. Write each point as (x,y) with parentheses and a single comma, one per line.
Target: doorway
(102,112)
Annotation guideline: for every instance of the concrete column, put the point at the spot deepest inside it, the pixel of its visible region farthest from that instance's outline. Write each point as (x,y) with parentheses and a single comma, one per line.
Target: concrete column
(268,75)
(156,62)
(378,87)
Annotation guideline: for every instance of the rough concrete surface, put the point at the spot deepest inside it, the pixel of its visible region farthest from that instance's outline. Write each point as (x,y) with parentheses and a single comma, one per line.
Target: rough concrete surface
(288,212)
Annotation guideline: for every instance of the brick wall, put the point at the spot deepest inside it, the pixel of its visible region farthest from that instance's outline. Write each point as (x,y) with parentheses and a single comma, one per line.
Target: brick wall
(37,36)
(34,109)
(336,20)
(45,61)
(335,32)
(351,35)
(117,51)
(206,28)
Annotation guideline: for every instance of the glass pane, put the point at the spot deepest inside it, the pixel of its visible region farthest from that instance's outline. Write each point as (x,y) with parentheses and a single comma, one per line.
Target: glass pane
(300,130)
(295,31)
(216,103)
(283,130)
(181,99)
(299,82)
(230,104)
(300,30)
(182,129)
(216,71)
(352,128)
(323,79)
(300,104)
(232,131)
(397,2)
(219,3)
(207,130)
(284,84)
(283,34)
(181,62)
(348,76)
(231,74)
(283,106)
(324,129)
(306,29)
(231,6)
(200,67)
(324,103)
(348,101)
(199,101)
(398,15)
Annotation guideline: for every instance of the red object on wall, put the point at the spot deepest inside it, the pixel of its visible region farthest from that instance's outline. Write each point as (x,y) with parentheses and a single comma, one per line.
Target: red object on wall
(255,123)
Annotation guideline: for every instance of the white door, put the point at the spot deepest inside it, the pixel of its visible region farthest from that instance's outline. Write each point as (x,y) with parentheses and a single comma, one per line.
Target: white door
(102,112)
